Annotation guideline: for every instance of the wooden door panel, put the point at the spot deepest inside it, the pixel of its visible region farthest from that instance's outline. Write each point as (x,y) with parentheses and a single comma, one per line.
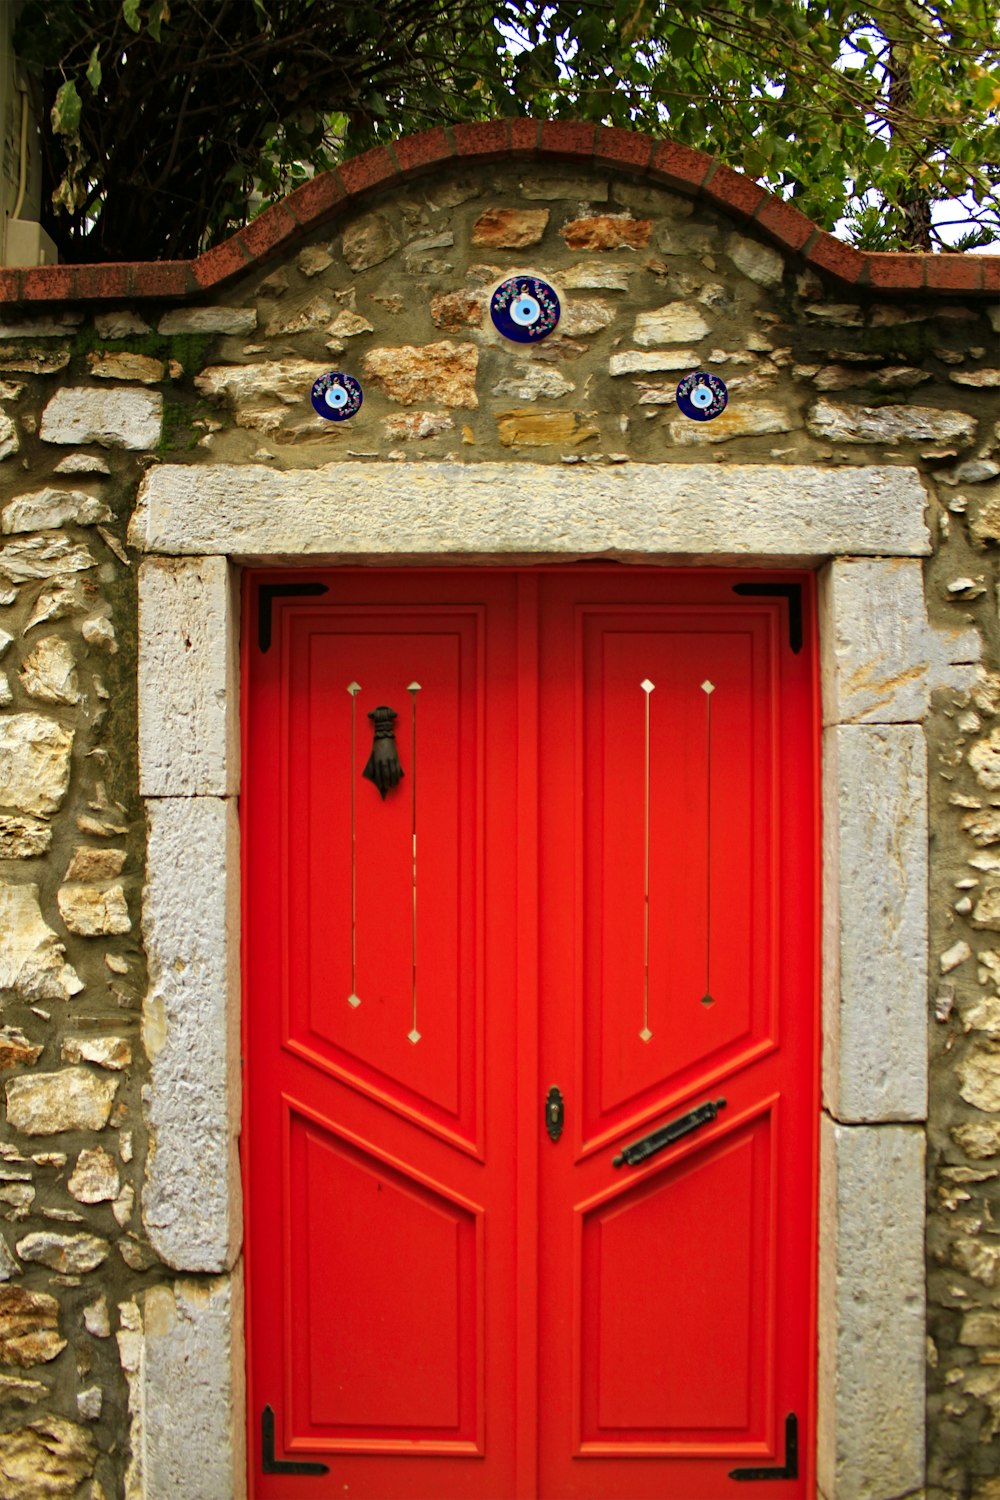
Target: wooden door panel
(357,986)
(676,930)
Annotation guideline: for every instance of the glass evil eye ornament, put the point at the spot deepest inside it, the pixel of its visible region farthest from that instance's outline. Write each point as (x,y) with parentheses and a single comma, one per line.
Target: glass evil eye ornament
(524,309)
(701,397)
(337,396)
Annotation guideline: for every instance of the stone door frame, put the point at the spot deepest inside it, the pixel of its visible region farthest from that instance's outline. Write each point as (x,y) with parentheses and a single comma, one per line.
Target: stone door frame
(863,528)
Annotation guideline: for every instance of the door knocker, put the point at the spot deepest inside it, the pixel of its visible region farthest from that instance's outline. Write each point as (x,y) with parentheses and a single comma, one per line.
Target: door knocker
(383,768)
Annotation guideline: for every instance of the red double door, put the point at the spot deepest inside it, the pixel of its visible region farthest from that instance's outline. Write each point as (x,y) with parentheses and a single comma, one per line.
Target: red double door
(588,903)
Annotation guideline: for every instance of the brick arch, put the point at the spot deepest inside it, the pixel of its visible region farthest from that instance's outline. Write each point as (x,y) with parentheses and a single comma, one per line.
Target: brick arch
(656,160)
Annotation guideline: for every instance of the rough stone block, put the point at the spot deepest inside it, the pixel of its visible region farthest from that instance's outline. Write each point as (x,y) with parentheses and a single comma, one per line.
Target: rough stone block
(184,1361)
(870,1443)
(875,922)
(127,418)
(191,923)
(188,690)
(880,658)
(509,511)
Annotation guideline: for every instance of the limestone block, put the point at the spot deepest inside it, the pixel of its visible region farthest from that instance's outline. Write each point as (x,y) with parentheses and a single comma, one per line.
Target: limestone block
(16,1050)
(288,380)
(9,441)
(121,324)
(96,1319)
(631,362)
(29,1327)
(875,922)
(512,511)
(369,241)
(183,1358)
(979,379)
(47,1103)
(34,763)
(407,426)
(72,1254)
(89,863)
(445,370)
(598,276)
(537,429)
(32,959)
(36,360)
(759,262)
(122,364)
(510,228)
(8,1268)
(676,323)
(50,1457)
(607,232)
(49,508)
(870,1443)
(880,659)
(95,1178)
(113,418)
(979,1077)
(533,381)
(313,259)
(42,557)
(316,313)
(49,673)
(191,923)
(740,419)
(23,837)
(94,911)
(890,424)
(114,1052)
(188,693)
(454,311)
(585,316)
(208,320)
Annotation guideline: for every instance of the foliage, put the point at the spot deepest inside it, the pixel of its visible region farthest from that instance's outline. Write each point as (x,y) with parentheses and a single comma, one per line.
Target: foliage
(164,116)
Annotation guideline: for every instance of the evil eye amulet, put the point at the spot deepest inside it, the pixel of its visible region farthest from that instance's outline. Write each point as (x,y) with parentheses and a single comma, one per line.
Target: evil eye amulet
(524,309)
(336,396)
(701,397)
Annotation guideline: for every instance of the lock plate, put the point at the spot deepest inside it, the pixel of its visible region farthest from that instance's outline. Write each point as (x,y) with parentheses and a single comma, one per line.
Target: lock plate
(555,1112)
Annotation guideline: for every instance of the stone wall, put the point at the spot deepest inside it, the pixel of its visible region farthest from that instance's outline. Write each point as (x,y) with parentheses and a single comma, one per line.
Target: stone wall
(394,287)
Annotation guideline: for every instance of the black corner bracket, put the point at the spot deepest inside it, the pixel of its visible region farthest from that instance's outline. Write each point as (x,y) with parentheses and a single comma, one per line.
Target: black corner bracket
(272,1465)
(267,593)
(790,1468)
(790,591)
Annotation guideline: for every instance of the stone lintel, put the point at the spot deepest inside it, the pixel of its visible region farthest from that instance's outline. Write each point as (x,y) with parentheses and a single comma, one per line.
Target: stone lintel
(391,512)
(192,1203)
(875,922)
(189,741)
(870,1441)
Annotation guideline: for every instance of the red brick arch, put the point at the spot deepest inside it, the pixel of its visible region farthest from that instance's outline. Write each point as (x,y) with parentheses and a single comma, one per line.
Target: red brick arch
(653,159)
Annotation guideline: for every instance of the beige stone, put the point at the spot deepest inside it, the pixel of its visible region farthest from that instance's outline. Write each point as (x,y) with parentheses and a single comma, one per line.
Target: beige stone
(983,826)
(510,228)
(980,1330)
(34,763)
(23,837)
(532,381)
(96,1319)
(32,960)
(986,915)
(114,418)
(92,911)
(759,262)
(607,232)
(72,1254)
(46,1460)
(9,442)
(581,317)
(47,1103)
(979,1078)
(740,419)
(631,362)
(120,324)
(123,365)
(454,311)
(675,323)
(18,1388)
(979,1259)
(313,259)
(232,320)
(405,426)
(978,379)
(49,508)
(16,1050)
(63,598)
(32,557)
(287,380)
(95,1178)
(316,313)
(99,632)
(984,758)
(598,276)
(8,1265)
(113,1052)
(38,361)
(49,673)
(444,371)
(347,325)
(889,424)
(537,429)
(29,1327)
(369,241)
(979,1139)
(89,863)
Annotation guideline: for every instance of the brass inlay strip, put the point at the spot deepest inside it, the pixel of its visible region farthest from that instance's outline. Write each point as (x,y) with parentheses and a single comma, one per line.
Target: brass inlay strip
(354,998)
(708,688)
(413,689)
(645,1034)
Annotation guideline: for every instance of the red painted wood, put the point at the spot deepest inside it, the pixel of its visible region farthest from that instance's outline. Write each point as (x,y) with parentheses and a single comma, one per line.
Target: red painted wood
(442,1301)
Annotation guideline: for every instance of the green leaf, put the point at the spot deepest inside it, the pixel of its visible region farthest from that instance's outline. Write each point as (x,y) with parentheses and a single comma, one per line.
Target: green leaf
(66,110)
(130,14)
(159,12)
(94,69)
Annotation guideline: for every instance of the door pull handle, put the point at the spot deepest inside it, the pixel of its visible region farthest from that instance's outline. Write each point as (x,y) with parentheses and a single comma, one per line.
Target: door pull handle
(641,1150)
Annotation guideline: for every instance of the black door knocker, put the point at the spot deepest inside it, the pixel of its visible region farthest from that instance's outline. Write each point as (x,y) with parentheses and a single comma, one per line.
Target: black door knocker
(383,768)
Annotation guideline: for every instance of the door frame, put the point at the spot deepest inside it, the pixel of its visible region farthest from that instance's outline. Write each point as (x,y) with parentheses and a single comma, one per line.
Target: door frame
(863,529)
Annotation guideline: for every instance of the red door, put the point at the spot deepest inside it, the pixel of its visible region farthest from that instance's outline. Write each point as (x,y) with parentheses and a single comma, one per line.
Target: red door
(589,901)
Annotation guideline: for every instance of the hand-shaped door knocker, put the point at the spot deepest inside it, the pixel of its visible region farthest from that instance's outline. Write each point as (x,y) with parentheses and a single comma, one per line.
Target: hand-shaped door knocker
(383,766)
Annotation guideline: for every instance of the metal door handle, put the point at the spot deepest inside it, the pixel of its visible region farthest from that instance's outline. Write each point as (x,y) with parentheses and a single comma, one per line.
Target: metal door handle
(648,1146)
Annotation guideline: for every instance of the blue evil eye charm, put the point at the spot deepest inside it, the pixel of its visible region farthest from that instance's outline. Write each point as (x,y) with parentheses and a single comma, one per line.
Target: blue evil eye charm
(701,397)
(524,309)
(337,396)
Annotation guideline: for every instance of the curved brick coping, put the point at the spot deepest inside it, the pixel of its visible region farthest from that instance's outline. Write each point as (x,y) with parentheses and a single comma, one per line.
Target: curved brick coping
(656,160)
